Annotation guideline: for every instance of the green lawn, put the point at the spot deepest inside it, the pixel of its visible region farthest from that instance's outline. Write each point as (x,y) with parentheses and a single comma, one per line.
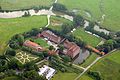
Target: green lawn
(41,42)
(90,39)
(23,4)
(109,66)
(10,27)
(56,22)
(89,60)
(64,76)
(97,8)
(11,78)
(86,77)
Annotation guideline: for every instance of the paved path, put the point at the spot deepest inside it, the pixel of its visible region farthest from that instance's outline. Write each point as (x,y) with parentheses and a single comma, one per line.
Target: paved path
(49,15)
(88,68)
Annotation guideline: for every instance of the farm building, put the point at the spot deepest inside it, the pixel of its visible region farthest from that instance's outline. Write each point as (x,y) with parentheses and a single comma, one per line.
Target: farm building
(51,36)
(33,45)
(72,49)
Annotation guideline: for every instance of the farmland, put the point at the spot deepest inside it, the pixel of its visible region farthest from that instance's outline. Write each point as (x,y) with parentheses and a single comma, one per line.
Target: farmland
(10,27)
(90,39)
(24,4)
(109,67)
(97,8)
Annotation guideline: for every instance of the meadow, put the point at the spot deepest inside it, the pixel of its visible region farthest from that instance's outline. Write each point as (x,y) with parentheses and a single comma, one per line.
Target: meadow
(23,4)
(56,22)
(88,38)
(64,76)
(108,66)
(10,27)
(97,8)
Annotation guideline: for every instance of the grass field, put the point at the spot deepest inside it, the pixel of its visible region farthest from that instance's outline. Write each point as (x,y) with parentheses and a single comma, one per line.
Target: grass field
(64,76)
(109,66)
(23,4)
(90,39)
(96,9)
(89,60)
(56,22)
(10,27)
(41,42)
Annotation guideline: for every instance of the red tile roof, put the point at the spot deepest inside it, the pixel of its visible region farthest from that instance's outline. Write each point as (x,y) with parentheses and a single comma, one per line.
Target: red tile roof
(33,45)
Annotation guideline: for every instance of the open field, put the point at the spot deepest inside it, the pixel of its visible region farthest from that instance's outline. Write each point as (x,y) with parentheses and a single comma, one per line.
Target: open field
(41,42)
(10,27)
(108,66)
(23,4)
(95,9)
(90,39)
(64,76)
(56,22)
(89,60)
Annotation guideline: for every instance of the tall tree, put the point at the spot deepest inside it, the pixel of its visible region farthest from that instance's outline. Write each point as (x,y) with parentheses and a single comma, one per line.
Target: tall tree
(78,20)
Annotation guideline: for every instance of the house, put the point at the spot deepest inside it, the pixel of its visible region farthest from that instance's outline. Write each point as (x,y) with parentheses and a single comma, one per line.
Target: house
(51,36)
(72,49)
(47,71)
(33,45)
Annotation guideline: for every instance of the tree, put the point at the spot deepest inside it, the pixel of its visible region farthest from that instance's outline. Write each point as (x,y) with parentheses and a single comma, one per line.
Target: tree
(33,75)
(51,48)
(10,52)
(78,21)
(0,8)
(59,7)
(61,48)
(66,28)
(20,39)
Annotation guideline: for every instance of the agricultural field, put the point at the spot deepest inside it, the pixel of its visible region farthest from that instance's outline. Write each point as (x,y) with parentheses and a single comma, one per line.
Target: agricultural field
(90,39)
(56,22)
(109,66)
(95,9)
(90,59)
(10,27)
(23,4)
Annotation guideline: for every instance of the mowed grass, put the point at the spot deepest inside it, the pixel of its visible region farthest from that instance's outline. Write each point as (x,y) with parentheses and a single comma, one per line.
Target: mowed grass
(56,22)
(89,60)
(88,38)
(41,42)
(97,8)
(109,66)
(10,27)
(23,4)
(64,76)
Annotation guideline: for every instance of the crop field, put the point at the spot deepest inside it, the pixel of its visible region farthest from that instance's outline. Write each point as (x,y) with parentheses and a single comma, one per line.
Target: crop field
(108,66)
(23,4)
(90,39)
(95,9)
(56,22)
(10,27)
